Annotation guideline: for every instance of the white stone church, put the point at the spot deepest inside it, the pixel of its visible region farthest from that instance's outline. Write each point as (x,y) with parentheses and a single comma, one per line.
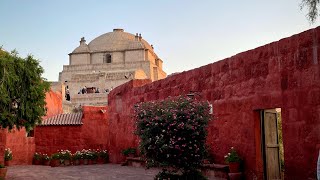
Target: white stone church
(105,63)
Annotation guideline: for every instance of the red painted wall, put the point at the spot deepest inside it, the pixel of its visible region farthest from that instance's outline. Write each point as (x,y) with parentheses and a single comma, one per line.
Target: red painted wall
(22,147)
(54,103)
(3,140)
(92,134)
(284,74)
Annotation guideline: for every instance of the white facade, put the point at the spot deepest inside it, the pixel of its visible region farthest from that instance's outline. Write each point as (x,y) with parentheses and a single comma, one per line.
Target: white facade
(107,62)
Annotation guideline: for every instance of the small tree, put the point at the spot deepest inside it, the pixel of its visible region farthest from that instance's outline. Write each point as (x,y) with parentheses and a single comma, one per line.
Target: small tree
(173,133)
(22,91)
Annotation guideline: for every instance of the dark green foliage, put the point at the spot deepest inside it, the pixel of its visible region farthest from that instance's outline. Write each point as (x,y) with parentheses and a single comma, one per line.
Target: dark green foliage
(190,175)
(56,156)
(232,156)
(128,151)
(103,154)
(173,132)
(22,91)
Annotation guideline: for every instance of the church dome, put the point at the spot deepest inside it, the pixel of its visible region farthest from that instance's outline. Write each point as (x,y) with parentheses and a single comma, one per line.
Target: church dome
(118,40)
(83,48)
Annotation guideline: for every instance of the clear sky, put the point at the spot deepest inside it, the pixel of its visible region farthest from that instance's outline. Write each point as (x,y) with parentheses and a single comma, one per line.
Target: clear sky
(185,33)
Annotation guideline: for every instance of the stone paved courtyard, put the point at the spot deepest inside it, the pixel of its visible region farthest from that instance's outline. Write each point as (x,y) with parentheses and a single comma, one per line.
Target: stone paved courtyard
(89,172)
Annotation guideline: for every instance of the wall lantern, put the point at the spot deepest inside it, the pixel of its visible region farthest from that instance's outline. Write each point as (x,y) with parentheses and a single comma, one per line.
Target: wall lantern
(193,94)
(211,108)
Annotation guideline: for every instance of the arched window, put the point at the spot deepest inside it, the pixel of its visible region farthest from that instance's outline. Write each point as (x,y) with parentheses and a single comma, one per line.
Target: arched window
(107,58)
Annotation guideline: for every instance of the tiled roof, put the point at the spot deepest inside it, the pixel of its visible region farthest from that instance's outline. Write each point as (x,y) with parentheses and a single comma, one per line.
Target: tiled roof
(63,119)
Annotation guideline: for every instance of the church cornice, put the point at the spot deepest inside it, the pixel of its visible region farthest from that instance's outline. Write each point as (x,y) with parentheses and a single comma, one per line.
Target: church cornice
(93,52)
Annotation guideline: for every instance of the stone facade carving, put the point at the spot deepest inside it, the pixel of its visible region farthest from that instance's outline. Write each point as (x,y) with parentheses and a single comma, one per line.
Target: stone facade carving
(107,62)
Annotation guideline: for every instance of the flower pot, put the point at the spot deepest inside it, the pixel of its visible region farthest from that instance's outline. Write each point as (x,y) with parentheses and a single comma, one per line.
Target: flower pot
(46,162)
(36,162)
(67,162)
(76,162)
(90,161)
(99,161)
(94,161)
(131,155)
(7,163)
(3,173)
(234,167)
(81,161)
(85,161)
(55,163)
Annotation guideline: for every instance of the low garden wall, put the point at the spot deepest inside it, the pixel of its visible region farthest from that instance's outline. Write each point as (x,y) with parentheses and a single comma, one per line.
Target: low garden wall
(93,134)
(22,147)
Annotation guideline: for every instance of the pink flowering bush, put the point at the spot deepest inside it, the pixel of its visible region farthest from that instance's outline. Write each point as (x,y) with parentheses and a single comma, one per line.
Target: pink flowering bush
(173,132)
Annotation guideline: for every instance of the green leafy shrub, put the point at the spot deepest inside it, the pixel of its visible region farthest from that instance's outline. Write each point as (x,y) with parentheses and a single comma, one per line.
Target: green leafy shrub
(37,156)
(45,157)
(173,132)
(56,155)
(8,154)
(128,151)
(89,154)
(65,154)
(77,155)
(103,154)
(94,154)
(164,175)
(232,156)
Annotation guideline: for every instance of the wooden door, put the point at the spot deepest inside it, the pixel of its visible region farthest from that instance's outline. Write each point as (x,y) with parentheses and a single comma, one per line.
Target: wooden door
(271,145)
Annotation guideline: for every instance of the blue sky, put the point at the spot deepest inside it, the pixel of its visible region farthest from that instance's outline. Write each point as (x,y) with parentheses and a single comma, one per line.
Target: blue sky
(186,34)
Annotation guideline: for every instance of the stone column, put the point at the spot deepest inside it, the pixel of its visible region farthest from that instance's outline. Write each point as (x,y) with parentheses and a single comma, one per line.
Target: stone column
(3,139)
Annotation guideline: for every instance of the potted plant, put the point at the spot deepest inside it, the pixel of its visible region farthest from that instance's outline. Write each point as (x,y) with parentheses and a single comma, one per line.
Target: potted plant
(65,157)
(3,171)
(45,159)
(76,157)
(91,156)
(129,152)
(86,156)
(103,157)
(55,159)
(94,156)
(7,156)
(233,159)
(37,158)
